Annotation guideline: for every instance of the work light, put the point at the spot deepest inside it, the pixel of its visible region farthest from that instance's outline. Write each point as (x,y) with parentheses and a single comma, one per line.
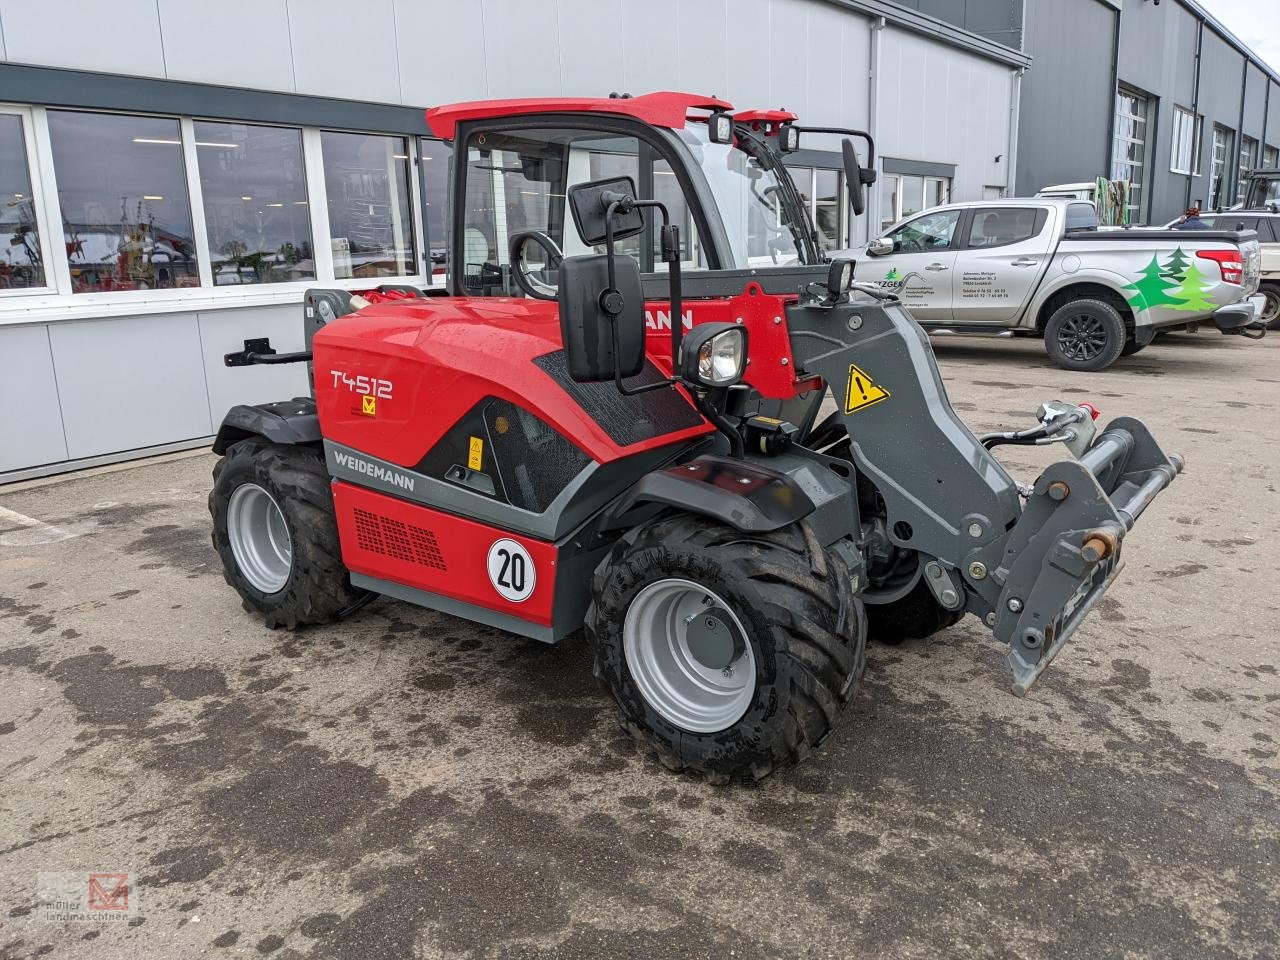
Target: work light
(714,354)
(720,128)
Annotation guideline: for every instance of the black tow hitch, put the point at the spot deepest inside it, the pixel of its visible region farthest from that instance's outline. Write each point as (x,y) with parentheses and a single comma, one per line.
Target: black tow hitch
(261,351)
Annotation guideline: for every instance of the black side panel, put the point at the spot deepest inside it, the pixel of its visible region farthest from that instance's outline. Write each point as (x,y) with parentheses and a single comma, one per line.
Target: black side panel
(626,420)
(287,421)
(519,460)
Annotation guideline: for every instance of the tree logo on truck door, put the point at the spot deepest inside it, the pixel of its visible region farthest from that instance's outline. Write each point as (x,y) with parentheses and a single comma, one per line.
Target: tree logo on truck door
(511,570)
(862,391)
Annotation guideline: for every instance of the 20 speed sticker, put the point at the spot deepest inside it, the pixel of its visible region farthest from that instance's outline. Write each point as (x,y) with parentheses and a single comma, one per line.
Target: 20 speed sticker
(511,570)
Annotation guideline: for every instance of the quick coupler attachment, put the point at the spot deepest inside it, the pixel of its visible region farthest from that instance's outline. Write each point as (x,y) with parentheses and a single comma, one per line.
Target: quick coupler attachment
(1064,553)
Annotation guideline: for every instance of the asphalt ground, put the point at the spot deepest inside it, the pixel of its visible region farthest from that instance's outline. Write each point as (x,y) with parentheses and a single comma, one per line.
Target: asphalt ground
(408,784)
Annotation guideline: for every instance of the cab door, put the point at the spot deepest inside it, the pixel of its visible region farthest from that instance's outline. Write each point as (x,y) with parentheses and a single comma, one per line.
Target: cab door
(1003,254)
(921,268)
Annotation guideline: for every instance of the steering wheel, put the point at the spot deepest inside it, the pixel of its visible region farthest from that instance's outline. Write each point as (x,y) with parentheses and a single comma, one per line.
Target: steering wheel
(531,286)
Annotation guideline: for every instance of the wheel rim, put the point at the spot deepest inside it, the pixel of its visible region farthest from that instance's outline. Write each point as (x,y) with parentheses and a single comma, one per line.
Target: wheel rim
(1271,307)
(673,681)
(1082,337)
(259,538)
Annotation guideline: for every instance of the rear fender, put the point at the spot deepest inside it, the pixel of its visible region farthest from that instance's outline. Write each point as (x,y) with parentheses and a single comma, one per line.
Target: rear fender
(289,422)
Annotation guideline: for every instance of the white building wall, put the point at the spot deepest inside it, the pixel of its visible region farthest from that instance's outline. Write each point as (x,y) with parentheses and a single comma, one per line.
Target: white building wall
(102,385)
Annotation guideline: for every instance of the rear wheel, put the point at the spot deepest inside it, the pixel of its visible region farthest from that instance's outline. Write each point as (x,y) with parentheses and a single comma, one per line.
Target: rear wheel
(1270,307)
(1085,335)
(729,654)
(275,530)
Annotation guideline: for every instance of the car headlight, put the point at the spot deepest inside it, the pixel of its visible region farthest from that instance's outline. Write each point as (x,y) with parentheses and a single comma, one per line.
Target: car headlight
(714,354)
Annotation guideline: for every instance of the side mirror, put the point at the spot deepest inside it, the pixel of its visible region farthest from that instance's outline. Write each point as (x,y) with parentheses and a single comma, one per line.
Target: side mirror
(602,328)
(589,203)
(853,178)
(881,247)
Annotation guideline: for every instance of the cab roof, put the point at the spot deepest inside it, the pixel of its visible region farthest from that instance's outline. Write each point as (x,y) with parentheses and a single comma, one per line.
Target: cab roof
(665,109)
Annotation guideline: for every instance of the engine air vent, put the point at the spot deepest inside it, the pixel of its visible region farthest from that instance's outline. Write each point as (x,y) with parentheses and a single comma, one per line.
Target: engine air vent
(397,539)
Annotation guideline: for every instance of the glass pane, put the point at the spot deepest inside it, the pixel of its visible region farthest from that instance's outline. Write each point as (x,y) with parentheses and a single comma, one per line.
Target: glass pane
(21,264)
(435,204)
(930,232)
(995,228)
(366,181)
(937,190)
(912,195)
(888,201)
(828,209)
(122,188)
(255,203)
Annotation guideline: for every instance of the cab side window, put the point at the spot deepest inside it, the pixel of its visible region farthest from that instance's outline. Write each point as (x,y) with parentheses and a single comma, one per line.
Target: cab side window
(933,231)
(1000,226)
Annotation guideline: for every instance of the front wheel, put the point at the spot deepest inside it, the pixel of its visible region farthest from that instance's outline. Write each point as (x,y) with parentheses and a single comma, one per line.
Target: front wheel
(1085,335)
(275,530)
(730,654)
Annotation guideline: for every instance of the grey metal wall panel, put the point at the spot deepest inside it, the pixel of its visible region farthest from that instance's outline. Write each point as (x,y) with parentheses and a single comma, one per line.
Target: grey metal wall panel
(245,42)
(945,105)
(223,331)
(1255,102)
(432,72)
(341,49)
(130,382)
(587,27)
(1063,130)
(522,50)
(122,37)
(31,427)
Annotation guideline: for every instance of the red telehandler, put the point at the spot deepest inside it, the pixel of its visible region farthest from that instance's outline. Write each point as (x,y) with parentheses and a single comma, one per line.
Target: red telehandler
(614,418)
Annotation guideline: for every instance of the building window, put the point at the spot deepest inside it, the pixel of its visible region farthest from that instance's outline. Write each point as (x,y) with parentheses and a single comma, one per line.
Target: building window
(122,190)
(1248,161)
(1218,164)
(366,181)
(435,204)
(21,256)
(902,195)
(1270,157)
(823,193)
(254,188)
(1130,149)
(1186,141)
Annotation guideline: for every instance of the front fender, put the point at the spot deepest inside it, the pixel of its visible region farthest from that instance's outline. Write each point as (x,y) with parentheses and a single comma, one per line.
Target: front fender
(747,496)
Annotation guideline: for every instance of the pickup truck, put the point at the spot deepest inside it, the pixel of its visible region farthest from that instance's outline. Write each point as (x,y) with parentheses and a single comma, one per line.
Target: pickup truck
(1041,267)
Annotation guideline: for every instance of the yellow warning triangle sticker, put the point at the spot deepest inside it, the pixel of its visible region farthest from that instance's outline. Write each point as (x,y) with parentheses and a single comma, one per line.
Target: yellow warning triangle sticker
(862,391)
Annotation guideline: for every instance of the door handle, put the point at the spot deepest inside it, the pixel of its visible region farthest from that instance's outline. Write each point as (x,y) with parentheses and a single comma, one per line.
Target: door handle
(937,266)
(1025,262)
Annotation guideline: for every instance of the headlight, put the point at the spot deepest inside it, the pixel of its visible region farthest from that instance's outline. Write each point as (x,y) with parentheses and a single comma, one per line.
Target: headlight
(715,354)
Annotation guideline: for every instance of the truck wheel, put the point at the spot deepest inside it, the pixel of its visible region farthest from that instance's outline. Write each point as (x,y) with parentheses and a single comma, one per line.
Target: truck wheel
(729,654)
(1271,307)
(913,617)
(275,530)
(1085,335)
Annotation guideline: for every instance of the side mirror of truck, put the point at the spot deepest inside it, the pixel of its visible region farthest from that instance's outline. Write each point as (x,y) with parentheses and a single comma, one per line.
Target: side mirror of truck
(602,325)
(880,247)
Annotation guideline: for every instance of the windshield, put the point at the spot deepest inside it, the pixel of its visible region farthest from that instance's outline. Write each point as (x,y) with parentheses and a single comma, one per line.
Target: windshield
(765,220)
(1266,191)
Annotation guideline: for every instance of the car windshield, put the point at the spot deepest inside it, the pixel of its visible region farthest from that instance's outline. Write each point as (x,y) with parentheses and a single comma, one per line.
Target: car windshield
(763,215)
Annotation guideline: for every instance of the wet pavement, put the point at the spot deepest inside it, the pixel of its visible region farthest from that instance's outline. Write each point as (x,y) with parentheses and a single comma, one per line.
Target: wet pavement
(408,784)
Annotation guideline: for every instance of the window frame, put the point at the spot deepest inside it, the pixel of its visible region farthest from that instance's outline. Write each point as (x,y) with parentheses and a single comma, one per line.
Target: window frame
(1197,133)
(898,217)
(963,218)
(40,206)
(57,299)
